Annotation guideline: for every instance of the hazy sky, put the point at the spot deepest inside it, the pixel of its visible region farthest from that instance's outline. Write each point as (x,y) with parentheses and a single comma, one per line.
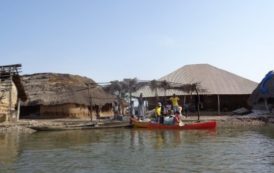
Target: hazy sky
(147,39)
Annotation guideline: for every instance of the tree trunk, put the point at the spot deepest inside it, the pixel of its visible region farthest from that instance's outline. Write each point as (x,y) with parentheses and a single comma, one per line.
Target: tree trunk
(198,104)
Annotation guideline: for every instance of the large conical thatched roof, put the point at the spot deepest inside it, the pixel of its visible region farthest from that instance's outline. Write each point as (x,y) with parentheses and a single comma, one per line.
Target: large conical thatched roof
(264,90)
(211,79)
(55,89)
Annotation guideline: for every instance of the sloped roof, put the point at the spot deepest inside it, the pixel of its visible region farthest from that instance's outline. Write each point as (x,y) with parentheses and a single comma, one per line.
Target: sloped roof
(212,79)
(55,88)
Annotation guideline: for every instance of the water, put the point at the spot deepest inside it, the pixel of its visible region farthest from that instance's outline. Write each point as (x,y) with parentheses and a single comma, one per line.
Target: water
(226,150)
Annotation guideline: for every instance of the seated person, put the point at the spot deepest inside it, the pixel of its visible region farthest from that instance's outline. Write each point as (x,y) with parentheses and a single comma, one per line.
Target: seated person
(177,119)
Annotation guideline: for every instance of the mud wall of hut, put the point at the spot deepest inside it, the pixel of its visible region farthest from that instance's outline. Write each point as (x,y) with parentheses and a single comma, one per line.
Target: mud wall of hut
(65,110)
(76,111)
(106,111)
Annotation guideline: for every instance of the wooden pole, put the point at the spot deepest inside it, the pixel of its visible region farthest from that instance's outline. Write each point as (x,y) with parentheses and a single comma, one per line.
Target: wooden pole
(219,105)
(90,102)
(10,96)
(198,104)
(130,102)
(18,110)
(266,104)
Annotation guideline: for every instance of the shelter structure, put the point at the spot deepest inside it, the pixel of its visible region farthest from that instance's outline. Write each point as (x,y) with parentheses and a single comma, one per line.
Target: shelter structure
(54,95)
(221,90)
(11,92)
(263,96)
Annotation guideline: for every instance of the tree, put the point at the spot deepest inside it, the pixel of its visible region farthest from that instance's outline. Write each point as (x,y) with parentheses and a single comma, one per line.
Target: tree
(125,88)
(165,85)
(130,85)
(190,88)
(116,88)
(154,85)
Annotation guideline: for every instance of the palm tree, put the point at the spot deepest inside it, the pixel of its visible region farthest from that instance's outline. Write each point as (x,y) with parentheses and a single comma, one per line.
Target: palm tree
(189,88)
(116,88)
(130,87)
(154,85)
(165,85)
(124,88)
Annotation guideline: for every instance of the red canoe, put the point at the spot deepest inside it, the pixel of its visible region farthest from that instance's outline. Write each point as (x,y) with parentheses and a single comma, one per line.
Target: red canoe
(186,126)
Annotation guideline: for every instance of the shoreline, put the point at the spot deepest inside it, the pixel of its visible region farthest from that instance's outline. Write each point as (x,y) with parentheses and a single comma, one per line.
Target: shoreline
(23,125)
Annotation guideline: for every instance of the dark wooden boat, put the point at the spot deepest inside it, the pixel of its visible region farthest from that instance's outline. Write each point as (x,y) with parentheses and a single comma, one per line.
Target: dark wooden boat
(187,126)
(116,124)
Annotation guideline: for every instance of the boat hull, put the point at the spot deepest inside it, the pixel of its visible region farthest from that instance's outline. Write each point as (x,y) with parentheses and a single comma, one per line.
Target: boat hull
(189,126)
(119,124)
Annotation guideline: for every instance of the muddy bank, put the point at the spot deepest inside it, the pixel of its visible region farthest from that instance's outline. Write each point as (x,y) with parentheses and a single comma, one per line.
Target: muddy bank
(13,128)
(23,126)
(231,122)
(236,120)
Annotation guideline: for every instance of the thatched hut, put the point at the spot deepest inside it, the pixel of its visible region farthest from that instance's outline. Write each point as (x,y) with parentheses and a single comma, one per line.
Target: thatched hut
(263,96)
(52,95)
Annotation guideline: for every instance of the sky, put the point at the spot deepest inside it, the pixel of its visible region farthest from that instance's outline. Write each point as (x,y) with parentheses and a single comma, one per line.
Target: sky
(115,39)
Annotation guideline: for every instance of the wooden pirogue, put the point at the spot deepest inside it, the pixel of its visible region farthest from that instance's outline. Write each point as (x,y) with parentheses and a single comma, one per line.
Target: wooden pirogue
(186,126)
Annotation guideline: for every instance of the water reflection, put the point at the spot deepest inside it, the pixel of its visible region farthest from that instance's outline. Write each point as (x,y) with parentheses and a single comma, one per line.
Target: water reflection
(167,138)
(139,150)
(9,145)
(62,139)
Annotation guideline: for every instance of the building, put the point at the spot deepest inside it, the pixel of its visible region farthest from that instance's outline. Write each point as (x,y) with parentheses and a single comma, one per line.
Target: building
(221,90)
(11,92)
(53,95)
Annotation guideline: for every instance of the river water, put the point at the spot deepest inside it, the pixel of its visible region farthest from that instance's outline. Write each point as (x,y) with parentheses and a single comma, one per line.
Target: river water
(225,150)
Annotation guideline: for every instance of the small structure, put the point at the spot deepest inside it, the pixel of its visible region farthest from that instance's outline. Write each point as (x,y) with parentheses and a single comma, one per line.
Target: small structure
(11,92)
(222,90)
(262,98)
(54,95)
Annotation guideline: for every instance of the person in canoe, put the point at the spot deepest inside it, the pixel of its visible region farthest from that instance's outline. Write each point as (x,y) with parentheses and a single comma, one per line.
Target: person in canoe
(158,112)
(141,107)
(178,119)
(174,100)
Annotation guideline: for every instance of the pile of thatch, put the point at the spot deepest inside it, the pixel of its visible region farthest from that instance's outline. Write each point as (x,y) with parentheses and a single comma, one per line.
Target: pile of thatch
(264,90)
(56,89)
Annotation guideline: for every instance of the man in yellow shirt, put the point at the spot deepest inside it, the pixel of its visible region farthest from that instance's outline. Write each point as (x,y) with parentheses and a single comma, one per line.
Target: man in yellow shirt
(158,112)
(174,100)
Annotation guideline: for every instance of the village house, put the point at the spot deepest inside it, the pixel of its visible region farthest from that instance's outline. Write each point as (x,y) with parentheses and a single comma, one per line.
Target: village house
(53,95)
(221,91)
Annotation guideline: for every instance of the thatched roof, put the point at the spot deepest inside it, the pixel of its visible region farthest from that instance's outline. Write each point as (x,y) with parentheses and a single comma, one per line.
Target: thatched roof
(12,71)
(212,80)
(20,88)
(55,89)
(264,90)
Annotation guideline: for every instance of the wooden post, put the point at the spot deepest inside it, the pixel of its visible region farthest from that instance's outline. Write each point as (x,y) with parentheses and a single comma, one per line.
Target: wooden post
(198,104)
(130,103)
(10,96)
(18,110)
(219,105)
(90,102)
(266,104)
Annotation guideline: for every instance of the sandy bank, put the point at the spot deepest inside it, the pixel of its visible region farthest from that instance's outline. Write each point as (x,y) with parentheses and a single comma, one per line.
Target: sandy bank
(23,126)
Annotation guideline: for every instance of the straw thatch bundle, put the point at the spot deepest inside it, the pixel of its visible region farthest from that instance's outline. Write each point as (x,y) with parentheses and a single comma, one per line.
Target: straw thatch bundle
(56,89)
